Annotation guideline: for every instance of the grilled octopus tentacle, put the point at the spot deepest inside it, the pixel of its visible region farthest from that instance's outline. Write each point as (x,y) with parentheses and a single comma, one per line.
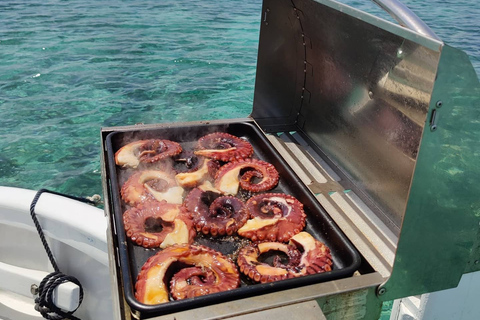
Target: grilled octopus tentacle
(273,217)
(242,173)
(146,151)
(151,184)
(158,224)
(223,147)
(215,214)
(305,255)
(197,270)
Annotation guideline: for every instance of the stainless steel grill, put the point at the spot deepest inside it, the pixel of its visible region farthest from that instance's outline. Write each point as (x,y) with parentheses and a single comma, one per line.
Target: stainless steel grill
(374,119)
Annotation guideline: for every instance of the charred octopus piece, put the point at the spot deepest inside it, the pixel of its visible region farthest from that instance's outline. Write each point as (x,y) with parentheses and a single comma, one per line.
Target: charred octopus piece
(158,224)
(273,217)
(223,147)
(304,255)
(245,173)
(197,271)
(149,185)
(215,214)
(198,200)
(146,151)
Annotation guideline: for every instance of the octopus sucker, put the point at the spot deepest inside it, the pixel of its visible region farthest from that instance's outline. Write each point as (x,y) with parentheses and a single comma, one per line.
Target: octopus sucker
(223,147)
(151,184)
(146,151)
(198,270)
(215,214)
(158,224)
(249,174)
(273,217)
(306,255)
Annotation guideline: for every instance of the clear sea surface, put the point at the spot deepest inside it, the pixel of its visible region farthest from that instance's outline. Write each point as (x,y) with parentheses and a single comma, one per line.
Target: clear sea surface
(68,68)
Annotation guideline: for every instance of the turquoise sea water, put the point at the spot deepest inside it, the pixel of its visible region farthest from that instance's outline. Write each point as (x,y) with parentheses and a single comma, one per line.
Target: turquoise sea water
(68,68)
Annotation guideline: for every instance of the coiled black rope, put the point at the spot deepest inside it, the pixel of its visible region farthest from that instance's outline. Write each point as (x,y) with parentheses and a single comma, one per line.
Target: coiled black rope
(44,302)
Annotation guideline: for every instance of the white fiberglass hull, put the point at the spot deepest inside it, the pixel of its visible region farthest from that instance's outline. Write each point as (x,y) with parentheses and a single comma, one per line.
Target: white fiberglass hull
(76,233)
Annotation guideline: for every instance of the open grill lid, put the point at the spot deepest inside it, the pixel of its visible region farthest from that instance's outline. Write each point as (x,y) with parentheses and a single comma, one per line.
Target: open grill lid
(357,90)
(392,110)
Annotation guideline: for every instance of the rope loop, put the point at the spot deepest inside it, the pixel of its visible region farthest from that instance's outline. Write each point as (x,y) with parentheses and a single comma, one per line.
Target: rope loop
(44,303)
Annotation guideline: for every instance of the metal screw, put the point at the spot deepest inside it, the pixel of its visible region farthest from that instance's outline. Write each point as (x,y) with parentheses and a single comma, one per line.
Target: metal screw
(477,262)
(370,94)
(439,104)
(400,53)
(382,291)
(34,289)
(433,120)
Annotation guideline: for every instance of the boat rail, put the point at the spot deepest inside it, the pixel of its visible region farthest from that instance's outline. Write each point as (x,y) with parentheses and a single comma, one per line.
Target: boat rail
(406,17)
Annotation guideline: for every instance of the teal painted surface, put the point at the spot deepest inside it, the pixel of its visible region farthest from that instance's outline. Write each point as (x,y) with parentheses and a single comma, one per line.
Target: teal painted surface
(443,211)
(386,310)
(355,305)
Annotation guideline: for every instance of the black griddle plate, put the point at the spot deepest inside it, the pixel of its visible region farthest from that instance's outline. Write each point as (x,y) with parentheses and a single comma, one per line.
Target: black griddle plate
(319,224)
